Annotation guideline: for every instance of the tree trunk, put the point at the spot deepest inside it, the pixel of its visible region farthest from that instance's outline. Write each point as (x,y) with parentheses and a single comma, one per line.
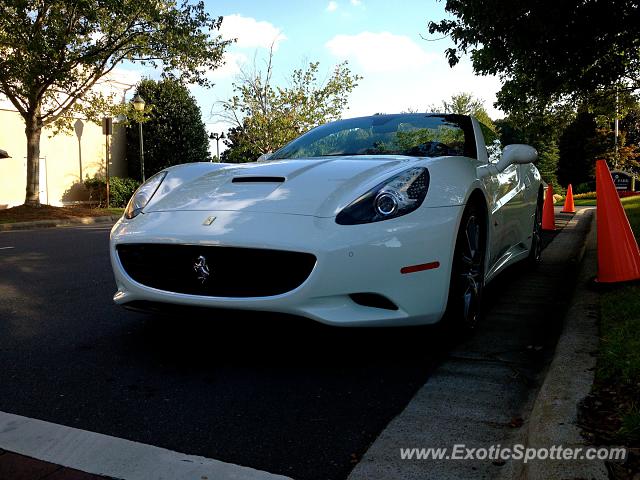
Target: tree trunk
(33,130)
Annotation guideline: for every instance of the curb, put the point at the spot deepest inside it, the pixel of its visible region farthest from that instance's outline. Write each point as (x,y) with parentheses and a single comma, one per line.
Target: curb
(57,223)
(568,380)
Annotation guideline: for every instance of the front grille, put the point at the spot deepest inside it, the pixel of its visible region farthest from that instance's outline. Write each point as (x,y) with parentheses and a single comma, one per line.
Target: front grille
(232,271)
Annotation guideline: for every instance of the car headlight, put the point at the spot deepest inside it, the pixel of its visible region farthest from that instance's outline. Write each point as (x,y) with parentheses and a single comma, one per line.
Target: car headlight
(399,195)
(143,194)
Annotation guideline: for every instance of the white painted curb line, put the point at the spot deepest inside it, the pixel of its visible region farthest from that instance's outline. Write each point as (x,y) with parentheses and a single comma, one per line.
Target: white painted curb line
(114,457)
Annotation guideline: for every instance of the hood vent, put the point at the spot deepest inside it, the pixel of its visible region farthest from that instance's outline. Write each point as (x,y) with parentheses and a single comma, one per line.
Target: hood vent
(248,179)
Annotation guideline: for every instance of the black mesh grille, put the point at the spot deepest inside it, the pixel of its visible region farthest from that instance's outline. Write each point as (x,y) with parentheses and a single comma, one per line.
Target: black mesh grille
(232,272)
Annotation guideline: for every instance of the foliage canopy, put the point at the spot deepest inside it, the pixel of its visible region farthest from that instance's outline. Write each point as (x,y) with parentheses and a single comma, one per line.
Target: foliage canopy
(265,117)
(173,132)
(465,103)
(546,49)
(53,53)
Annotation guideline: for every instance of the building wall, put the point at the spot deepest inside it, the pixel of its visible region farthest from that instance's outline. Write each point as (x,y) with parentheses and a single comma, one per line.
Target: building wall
(67,159)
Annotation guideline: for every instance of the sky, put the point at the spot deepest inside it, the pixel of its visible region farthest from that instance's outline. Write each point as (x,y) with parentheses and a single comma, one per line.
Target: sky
(385,41)
(382,40)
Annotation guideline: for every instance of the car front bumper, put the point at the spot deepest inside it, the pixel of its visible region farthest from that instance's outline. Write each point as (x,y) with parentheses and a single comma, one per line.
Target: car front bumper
(350,260)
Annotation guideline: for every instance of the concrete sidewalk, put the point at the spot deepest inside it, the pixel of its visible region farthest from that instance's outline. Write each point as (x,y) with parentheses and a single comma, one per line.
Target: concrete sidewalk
(483,393)
(554,417)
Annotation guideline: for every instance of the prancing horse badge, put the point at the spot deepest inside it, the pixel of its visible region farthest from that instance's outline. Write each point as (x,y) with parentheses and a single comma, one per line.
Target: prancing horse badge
(202,269)
(208,221)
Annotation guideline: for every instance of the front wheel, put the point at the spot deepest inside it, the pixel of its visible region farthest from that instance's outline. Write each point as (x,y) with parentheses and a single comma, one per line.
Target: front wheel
(535,252)
(464,306)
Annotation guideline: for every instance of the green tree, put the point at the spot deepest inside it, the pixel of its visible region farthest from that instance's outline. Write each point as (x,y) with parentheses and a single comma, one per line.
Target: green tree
(265,117)
(578,149)
(174,132)
(509,132)
(625,157)
(630,127)
(241,149)
(548,48)
(548,157)
(539,137)
(52,53)
(466,104)
(606,106)
(539,126)
(591,136)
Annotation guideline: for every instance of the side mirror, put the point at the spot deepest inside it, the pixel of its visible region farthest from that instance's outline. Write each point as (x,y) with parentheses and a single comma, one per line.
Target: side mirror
(264,157)
(518,154)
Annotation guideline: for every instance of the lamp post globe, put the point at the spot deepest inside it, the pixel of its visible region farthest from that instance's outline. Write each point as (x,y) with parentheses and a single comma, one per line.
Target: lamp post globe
(138,103)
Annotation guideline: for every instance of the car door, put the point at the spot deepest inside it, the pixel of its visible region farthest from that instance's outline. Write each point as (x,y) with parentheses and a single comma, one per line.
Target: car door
(530,178)
(512,203)
(506,191)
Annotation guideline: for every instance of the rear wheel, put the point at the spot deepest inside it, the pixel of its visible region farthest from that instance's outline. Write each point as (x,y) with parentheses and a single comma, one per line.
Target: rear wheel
(464,306)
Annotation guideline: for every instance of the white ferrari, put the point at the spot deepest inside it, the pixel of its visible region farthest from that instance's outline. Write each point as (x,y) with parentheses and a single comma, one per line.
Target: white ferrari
(384,220)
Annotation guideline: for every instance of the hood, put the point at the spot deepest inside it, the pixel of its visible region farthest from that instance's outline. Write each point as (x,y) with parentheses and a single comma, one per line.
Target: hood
(318,187)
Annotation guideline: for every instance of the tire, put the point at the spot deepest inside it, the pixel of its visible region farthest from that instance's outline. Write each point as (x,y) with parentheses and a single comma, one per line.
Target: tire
(535,252)
(464,305)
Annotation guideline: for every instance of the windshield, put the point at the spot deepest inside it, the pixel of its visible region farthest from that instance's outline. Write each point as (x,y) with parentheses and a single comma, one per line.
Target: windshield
(413,134)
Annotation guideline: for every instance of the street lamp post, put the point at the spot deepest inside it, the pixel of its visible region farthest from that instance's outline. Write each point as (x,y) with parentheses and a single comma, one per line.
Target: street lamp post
(138,104)
(217,137)
(616,126)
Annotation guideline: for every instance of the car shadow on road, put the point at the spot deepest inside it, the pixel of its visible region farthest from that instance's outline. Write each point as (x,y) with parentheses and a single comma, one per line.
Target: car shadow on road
(198,338)
(221,337)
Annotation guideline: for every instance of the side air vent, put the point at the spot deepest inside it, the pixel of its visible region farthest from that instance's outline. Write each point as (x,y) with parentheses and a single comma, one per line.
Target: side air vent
(373,300)
(258,180)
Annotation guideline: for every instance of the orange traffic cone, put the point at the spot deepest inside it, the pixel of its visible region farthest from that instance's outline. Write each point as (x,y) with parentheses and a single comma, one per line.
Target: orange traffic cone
(569,207)
(548,215)
(618,254)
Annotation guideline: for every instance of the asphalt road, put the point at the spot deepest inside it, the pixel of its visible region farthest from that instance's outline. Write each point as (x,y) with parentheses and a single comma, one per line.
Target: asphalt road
(273,392)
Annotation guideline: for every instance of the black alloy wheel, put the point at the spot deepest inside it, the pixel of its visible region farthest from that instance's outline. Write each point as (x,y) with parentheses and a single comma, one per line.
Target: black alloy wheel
(535,252)
(464,307)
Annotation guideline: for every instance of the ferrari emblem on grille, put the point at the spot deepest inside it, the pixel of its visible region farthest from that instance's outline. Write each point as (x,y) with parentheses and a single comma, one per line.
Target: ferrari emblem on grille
(208,221)
(202,269)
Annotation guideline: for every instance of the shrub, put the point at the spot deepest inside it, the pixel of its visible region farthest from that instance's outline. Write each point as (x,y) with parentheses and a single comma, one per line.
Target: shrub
(97,189)
(584,187)
(120,190)
(588,195)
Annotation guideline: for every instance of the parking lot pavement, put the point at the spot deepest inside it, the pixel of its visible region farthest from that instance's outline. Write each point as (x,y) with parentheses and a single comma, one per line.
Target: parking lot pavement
(272,392)
(276,393)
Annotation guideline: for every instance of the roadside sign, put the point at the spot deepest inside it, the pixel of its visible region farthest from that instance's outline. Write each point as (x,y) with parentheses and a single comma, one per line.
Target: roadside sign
(623,181)
(107,126)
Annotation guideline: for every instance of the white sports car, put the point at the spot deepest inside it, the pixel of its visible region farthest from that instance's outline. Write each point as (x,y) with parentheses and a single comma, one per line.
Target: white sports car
(383,220)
